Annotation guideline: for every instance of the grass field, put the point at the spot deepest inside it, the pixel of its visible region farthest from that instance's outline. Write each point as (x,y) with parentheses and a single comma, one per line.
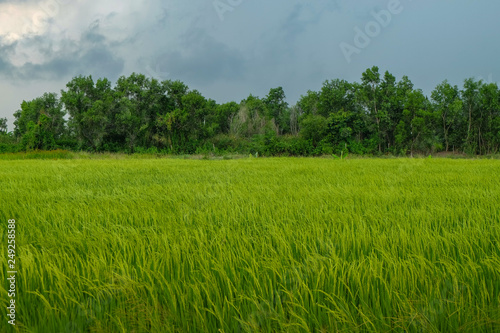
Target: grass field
(253,245)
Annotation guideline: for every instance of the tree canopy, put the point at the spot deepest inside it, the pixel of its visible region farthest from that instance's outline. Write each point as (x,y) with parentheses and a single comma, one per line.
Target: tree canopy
(377,115)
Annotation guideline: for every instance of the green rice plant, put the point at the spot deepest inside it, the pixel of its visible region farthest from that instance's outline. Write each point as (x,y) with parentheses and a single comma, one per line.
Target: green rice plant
(253,245)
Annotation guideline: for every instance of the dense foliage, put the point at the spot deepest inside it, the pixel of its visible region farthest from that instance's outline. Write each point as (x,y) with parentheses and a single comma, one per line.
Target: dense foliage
(376,116)
(254,245)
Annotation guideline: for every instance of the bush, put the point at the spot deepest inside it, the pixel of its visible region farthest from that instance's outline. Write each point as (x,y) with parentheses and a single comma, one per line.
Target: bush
(228,143)
(57,154)
(8,148)
(144,150)
(67,144)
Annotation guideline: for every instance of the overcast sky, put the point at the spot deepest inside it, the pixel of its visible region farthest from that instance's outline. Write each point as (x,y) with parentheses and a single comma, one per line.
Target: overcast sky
(228,49)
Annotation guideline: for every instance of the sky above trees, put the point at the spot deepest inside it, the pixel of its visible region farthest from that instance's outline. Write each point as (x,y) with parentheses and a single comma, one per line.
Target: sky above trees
(228,49)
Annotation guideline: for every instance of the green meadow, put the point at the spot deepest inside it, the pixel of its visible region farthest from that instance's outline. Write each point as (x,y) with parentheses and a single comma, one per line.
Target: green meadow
(253,245)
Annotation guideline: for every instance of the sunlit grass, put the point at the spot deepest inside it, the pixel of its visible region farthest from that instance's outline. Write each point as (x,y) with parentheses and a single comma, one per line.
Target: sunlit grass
(254,245)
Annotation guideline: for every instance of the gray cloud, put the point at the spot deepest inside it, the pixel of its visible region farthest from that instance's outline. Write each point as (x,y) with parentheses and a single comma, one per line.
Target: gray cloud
(201,60)
(91,54)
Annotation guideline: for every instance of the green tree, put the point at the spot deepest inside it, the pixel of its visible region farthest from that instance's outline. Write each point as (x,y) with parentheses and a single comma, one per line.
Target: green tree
(489,126)
(40,122)
(390,110)
(447,105)
(3,126)
(415,131)
(48,105)
(90,107)
(370,95)
(190,122)
(295,114)
(167,118)
(8,143)
(277,109)
(225,114)
(336,95)
(195,117)
(309,103)
(471,103)
(138,101)
(251,118)
(39,135)
(175,90)
(313,128)
(345,131)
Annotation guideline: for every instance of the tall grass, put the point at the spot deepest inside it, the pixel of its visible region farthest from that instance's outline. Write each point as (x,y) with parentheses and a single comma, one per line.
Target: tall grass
(38,155)
(254,245)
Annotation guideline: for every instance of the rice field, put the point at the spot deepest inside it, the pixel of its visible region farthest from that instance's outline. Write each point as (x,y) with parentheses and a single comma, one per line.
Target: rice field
(253,245)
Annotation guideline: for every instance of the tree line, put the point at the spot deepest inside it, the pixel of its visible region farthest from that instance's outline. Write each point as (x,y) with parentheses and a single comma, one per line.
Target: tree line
(378,115)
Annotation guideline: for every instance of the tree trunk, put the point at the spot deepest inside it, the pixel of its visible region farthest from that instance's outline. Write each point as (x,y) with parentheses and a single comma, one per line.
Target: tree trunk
(445,133)
(470,123)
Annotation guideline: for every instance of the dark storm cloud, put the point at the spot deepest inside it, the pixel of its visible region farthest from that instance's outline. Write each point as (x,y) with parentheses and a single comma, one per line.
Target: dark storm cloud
(201,59)
(294,24)
(301,18)
(89,55)
(4,66)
